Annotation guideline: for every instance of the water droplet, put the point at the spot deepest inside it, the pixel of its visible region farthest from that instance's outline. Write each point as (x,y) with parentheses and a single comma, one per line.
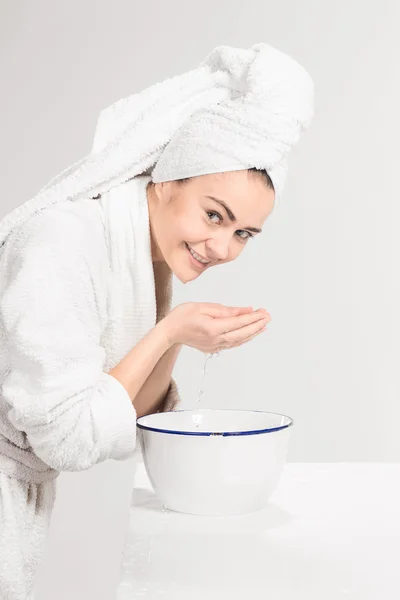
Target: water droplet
(201,391)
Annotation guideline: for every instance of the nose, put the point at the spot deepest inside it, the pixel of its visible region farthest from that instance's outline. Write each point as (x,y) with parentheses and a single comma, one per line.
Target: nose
(217,249)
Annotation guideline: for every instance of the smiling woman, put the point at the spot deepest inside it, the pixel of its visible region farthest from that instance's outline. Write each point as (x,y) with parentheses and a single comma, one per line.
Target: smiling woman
(84,350)
(203,221)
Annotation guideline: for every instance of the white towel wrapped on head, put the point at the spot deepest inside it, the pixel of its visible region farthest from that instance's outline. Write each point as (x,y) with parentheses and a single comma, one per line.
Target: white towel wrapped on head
(241,108)
(265,100)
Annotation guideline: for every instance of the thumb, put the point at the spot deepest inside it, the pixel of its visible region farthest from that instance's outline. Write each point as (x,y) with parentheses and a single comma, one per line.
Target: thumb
(239,310)
(233,311)
(220,311)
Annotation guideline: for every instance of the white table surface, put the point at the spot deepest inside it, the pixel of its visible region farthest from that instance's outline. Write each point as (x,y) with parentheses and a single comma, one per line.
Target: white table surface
(331,531)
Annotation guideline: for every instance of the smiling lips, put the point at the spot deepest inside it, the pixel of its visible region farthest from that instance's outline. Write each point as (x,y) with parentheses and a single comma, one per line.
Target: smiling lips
(198,258)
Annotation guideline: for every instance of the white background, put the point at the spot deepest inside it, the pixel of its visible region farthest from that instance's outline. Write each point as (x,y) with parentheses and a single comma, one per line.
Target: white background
(326,265)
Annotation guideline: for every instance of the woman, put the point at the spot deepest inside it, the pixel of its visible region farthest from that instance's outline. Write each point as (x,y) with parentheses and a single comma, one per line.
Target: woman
(180,177)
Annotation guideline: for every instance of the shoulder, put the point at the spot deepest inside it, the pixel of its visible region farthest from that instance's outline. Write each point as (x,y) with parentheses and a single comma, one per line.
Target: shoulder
(56,256)
(67,226)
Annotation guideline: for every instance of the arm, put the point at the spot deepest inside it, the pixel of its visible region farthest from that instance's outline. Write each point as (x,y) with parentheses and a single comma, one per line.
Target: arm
(55,391)
(159,391)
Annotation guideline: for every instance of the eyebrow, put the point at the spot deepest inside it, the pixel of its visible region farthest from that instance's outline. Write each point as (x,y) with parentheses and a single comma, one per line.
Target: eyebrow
(231,215)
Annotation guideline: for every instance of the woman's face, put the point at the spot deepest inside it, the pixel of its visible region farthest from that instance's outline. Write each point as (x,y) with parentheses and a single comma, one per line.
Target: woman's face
(191,215)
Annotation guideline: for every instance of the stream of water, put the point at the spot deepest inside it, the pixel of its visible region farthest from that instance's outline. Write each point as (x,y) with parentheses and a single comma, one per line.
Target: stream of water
(201,390)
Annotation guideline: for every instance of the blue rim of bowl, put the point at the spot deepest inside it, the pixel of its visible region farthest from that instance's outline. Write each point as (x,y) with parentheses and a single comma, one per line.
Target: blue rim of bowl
(221,433)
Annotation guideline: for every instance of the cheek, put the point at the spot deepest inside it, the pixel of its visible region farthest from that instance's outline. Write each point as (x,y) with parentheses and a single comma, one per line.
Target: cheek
(235,250)
(233,253)
(177,230)
(189,226)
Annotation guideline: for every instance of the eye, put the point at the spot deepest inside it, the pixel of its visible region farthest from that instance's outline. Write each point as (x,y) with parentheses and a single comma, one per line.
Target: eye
(211,212)
(249,235)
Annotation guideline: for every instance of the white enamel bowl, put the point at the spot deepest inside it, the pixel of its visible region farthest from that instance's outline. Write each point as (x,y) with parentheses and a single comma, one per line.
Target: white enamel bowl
(214,462)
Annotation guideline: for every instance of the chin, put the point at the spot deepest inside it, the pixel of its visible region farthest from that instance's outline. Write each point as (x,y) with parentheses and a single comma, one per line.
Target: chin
(185,277)
(185,274)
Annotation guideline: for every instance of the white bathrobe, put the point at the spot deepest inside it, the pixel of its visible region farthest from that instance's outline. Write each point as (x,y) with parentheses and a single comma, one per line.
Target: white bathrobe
(76,294)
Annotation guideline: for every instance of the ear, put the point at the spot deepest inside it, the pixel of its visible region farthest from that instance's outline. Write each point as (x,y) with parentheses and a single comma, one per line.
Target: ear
(157,190)
(164,190)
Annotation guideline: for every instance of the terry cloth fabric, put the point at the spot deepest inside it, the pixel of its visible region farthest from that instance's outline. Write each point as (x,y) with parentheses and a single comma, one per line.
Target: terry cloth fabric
(76,294)
(241,108)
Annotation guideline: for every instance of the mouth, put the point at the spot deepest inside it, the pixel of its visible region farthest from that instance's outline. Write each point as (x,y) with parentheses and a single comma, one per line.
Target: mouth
(195,262)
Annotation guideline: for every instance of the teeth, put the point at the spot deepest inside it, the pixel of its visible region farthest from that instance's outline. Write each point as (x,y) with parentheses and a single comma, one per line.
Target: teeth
(197,257)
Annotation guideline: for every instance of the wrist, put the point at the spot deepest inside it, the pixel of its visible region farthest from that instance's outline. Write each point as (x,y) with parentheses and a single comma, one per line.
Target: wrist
(167,333)
(170,330)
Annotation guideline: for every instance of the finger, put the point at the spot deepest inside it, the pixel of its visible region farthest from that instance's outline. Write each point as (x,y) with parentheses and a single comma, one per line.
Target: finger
(246,310)
(219,311)
(235,323)
(238,335)
(248,339)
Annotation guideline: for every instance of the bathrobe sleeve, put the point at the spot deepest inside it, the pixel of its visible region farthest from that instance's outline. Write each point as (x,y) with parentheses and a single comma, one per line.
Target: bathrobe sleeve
(74,414)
